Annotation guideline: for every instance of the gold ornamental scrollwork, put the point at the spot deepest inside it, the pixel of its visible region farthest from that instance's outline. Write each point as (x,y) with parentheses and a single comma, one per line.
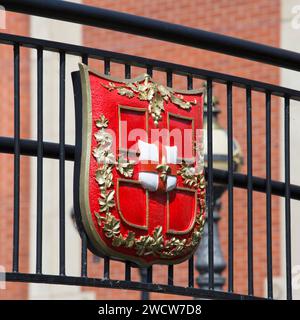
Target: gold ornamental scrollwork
(156,95)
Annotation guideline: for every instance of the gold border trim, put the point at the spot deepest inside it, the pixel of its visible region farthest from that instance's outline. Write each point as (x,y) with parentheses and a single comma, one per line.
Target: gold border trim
(144,110)
(170,231)
(193,132)
(145,228)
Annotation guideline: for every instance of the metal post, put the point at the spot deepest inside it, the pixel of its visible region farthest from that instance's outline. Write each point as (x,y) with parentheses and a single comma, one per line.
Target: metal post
(143,273)
(202,264)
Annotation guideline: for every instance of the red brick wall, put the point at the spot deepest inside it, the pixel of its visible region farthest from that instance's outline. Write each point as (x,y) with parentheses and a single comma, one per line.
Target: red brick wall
(17,24)
(253,20)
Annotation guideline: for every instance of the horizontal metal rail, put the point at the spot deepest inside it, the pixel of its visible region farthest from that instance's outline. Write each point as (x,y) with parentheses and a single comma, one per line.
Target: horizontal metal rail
(129,285)
(52,151)
(141,62)
(128,23)
(29,148)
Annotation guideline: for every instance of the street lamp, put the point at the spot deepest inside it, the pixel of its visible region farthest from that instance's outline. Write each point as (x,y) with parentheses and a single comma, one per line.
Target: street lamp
(220,161)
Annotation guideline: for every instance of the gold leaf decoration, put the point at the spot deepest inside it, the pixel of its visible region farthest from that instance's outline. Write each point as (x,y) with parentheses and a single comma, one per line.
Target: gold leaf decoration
(110,87)
(129,241)
(124,167)
(111,226)
(103,152)
(175,246)
(156,94)
(142,244)
(102,122)
(104,177)
(106,201)
(164,170)
(126,92)
(147,245)
(196,236)
(193,176)
(187,173)
(104,139)
(118,240)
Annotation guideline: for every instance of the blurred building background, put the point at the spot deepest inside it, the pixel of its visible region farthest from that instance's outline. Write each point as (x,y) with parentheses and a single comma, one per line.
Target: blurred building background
(264,21)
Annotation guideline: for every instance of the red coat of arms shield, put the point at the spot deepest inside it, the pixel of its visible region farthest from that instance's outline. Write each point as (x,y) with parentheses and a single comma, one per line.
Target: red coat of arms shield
(139,188)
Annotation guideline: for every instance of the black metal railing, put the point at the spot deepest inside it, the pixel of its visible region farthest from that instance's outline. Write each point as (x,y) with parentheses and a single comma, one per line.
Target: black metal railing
(41,149)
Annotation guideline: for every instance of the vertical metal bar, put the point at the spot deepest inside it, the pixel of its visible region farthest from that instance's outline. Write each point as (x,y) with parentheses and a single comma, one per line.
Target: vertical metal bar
(107,66)
(269,196)
(62,72)
(127,71)
(287,197)
(150,71)
(249,191)
(191,260)
(83,255)
(191,271)
(85,59)
(127,263)
(169,78)
(128,271)
(149,272)
(230,187)
(106,271)
(170,275)
(16,230)
(143,274)
(39,229)
(209,196)
(83,235)
(170,267)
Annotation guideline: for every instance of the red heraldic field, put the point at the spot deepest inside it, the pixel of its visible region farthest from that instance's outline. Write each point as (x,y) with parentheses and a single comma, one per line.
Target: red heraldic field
(139,191)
